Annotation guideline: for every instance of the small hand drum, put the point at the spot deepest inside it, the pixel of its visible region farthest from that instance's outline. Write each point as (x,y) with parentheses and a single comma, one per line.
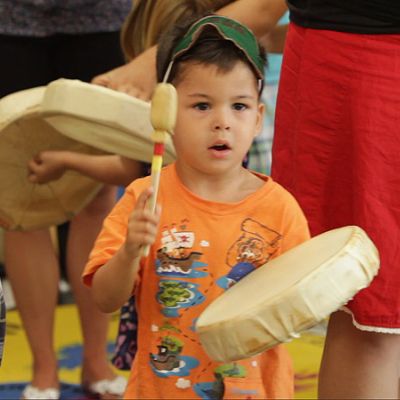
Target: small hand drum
(102,118)
(288,295)
(65,115)
(23,134)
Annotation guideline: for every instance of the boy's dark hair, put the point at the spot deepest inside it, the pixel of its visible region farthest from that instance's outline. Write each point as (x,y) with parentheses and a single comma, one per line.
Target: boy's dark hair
(209,48)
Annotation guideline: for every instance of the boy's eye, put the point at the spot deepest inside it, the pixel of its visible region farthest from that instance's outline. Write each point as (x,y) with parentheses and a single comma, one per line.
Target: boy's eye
(202,106)
(239,106)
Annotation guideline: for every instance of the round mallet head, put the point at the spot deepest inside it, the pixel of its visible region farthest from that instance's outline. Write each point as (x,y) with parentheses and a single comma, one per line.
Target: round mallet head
(164,108)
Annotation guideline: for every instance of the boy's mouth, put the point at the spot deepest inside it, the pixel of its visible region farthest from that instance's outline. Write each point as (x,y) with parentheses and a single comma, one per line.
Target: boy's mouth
(220,150)
(220,147)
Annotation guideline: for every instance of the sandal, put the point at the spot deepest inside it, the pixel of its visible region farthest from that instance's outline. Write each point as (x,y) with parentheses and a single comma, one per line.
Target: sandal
(32,392)
(106,388)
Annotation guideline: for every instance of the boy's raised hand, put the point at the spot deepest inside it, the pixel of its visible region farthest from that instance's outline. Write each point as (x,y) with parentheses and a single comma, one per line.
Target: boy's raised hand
(142,226)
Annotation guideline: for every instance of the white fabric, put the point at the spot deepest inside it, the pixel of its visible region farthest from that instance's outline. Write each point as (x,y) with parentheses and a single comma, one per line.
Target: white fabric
(31,392)
(114,386)
(368,328)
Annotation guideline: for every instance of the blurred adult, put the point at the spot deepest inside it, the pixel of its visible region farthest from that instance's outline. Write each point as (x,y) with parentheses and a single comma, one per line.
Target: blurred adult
(336,149)
(40,41)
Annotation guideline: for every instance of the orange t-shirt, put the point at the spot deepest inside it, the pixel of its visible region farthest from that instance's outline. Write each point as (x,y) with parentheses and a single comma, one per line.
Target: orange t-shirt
(201,249)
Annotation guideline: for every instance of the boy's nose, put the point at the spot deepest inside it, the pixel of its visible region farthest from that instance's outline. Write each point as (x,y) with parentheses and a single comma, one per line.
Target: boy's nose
(221,127)
(222,121)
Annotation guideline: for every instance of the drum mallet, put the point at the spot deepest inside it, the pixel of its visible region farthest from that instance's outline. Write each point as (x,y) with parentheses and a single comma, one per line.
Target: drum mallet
(163,117)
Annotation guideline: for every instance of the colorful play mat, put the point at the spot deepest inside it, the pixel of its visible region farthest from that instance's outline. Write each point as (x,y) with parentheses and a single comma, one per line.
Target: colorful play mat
(15,369)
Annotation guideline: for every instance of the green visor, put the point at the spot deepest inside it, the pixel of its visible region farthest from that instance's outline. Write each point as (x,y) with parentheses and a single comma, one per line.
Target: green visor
(229,29)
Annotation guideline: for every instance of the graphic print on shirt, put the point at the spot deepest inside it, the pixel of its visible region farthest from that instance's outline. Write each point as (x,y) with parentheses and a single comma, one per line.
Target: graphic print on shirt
(177,263)
(168,359)
(176,257)
(217,388)
(174,295)
(211,390)
(254,247)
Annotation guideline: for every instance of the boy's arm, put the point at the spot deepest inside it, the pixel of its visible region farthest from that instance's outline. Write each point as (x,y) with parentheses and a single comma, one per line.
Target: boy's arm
(138,77)
(111,169)
(112,284)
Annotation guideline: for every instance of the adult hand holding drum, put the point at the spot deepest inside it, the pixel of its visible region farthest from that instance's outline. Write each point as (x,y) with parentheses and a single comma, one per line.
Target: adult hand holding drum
(288,295)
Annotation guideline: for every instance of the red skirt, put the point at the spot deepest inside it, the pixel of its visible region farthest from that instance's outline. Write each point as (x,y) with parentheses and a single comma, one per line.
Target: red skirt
(337,148)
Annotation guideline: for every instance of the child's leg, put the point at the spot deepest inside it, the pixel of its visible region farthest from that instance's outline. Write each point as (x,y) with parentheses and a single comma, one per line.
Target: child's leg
(33,271)
(84,229)
(358,364)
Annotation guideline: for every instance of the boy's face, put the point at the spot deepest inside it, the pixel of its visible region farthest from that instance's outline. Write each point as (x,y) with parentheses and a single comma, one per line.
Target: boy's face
(219,115)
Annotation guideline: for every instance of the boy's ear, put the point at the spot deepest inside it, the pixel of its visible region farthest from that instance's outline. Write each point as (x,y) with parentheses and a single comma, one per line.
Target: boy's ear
(260,119)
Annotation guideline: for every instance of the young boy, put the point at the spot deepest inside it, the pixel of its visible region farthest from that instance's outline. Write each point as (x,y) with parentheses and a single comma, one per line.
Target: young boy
(218,222)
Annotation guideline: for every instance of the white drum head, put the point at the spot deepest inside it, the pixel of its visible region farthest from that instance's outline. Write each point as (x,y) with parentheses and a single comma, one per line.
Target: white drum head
(23,134)
(106,119)
(288,295)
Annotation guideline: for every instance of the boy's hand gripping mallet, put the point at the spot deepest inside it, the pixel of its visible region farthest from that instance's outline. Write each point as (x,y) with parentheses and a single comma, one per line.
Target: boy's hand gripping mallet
(163,117)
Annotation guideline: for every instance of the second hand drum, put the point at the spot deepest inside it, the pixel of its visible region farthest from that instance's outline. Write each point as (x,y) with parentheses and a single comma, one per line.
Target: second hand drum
(103,118)
(65,115)
(23,134)
(288,295)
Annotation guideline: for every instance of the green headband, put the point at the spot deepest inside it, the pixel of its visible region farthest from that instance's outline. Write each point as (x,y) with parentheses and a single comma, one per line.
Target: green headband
(228,29)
